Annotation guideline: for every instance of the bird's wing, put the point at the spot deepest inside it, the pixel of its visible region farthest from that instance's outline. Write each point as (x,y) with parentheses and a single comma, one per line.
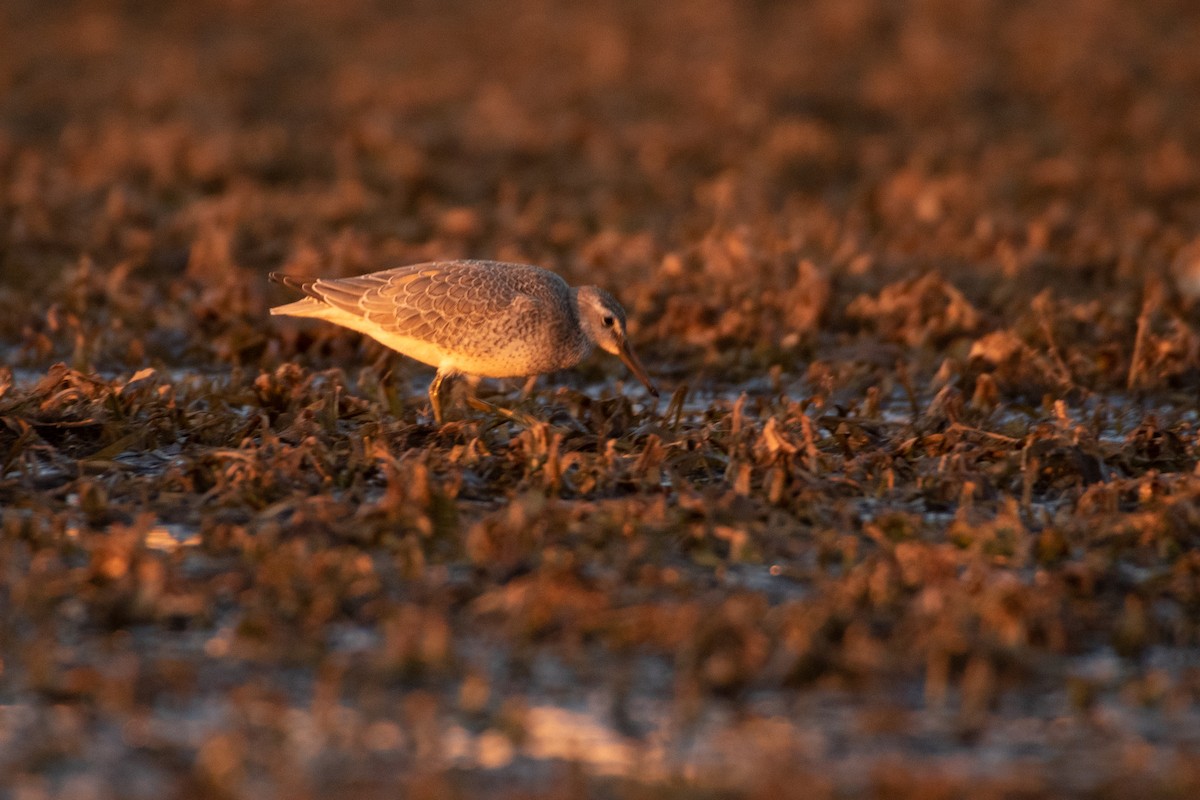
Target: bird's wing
(437,302)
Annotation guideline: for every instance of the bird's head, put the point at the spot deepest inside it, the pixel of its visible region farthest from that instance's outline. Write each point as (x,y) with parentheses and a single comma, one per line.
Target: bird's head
(603,321)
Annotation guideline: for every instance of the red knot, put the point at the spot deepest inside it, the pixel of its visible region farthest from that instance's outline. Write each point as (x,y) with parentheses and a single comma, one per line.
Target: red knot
(484,319)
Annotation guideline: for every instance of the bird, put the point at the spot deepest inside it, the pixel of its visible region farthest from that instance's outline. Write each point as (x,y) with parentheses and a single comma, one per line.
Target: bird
(483,319)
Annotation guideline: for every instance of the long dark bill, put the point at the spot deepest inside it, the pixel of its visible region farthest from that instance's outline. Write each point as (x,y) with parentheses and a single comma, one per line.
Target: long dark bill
(630,360)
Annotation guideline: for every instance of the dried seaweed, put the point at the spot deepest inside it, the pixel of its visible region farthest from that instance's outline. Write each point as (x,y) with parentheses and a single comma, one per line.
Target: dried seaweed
(920,517)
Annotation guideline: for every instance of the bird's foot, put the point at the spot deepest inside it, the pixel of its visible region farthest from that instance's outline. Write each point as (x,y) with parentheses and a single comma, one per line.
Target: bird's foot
(519,417)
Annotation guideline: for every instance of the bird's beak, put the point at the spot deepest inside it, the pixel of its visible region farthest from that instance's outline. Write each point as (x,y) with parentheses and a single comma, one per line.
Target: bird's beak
(630,359)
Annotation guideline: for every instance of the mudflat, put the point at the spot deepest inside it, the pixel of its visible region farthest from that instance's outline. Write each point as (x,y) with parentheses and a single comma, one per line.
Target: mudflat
(917,514)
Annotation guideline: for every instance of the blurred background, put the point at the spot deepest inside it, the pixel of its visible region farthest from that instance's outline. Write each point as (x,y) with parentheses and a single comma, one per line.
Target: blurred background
(741,172)
(925,526)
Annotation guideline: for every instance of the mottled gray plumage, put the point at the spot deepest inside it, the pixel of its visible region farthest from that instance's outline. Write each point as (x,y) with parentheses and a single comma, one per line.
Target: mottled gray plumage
(484,318)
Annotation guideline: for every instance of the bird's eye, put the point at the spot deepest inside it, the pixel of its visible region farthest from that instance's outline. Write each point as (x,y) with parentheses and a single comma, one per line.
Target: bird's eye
(608,322)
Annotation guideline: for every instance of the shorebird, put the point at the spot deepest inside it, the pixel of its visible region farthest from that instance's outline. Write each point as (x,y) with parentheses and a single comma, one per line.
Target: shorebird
(485,319)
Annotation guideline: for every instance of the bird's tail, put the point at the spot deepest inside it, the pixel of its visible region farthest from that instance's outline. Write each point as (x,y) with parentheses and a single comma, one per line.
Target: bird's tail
(292,282)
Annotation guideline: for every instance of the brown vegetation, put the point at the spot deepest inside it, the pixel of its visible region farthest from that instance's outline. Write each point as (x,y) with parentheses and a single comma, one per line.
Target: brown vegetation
(921,517)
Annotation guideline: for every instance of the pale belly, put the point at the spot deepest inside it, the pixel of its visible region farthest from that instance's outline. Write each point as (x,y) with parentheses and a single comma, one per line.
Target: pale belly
(484,353)
(507,360)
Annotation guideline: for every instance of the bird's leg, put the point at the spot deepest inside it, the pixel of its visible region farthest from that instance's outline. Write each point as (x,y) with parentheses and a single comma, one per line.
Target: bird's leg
(472,396)
(527,389)
(435,395)
(472,388)
(479,404)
